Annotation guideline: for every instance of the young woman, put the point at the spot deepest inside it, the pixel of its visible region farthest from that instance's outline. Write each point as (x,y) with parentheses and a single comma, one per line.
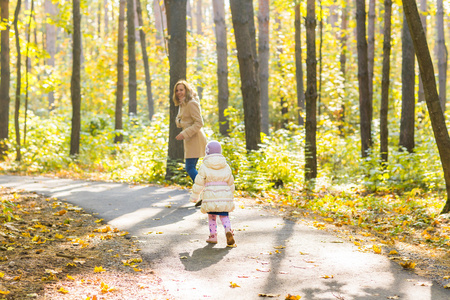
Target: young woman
(190,119)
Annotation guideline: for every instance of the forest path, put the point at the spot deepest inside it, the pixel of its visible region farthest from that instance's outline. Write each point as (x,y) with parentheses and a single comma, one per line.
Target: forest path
(171,234)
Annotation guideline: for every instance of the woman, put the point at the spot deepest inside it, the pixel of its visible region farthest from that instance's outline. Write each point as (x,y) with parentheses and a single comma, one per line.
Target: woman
(190,119)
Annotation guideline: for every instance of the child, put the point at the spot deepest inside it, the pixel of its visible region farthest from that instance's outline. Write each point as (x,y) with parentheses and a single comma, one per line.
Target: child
(216,182)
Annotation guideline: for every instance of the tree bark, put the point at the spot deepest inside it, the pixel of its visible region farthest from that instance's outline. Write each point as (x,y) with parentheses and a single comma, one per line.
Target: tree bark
(148,80)
(4,81)
(176,19)
(19,81)
(50,46)
(431,96)
(365,106)
(199,21)
(132,81)
(371,50)
(299,66)
(75,85)
(27,60)
(263,55)
(441,53)
(384,107)
(244,29)
(344,38)
(118,138)
(311,94)
(423,19)
(408,99)
(222,64)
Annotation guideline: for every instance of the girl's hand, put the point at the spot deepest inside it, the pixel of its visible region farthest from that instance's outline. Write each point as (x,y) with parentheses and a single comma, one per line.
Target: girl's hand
(179,137)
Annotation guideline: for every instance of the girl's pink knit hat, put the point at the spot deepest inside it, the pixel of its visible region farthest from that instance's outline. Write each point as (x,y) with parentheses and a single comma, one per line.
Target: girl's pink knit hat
(213,147)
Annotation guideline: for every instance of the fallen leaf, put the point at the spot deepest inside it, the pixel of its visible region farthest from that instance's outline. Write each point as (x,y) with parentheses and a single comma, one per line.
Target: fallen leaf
(263,270)
(423,283)
(293,297)
(408,265)
(61,212)
(327,276)
(137,270)
(447,286)
(63,290)
(280,247)
(183,257)
(234,285)
(243,276)
(4,292)
(99,269)
(2,274)
(393,252)
(98,220)
(376,249)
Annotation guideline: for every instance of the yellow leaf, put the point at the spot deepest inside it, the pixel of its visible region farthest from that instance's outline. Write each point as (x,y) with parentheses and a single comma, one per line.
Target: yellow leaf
(329,220)
(292,297)
(72,265)
(446,277)
(70,277)
(2,274)
(59,236)
(160,232)
(447,286)
(61,212)
(393,252)
(376,249)
(137,270)
(4,292)
(99,269)
(408,265)
(279,247)
(17,278)
(63,290)
(277,251)
(233,285)
(98,220)
(327,276)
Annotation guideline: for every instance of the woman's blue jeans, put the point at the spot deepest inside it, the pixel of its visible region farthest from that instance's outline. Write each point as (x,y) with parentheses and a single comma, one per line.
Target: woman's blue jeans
(191,167)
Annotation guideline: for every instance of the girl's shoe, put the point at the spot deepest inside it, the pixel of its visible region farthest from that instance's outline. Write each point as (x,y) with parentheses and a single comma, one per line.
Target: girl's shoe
(230,238)
(212,239)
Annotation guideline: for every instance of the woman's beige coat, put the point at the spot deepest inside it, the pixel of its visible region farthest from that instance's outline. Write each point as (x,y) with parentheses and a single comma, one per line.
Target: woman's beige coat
(190,119)
(216,182)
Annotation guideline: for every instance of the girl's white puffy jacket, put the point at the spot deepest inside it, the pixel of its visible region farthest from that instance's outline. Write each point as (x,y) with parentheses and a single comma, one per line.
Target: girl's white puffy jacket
(216,182)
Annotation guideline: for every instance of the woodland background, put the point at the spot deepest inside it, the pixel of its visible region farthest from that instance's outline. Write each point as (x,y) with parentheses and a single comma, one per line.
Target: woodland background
(350,180)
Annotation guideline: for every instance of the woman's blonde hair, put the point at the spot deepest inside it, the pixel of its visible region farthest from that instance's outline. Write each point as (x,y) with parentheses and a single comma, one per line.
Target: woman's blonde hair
(190,93)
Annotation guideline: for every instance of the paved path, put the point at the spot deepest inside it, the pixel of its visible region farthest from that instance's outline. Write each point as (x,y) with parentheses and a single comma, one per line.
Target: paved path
(192,269)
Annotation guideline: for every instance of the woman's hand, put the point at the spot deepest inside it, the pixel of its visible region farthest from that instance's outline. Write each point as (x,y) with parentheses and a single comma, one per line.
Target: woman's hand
(180,137)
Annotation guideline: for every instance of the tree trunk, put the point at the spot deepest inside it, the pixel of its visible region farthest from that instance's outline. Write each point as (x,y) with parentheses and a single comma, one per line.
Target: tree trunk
(431,96)
(311,93)
(222,64)
(281,71)
(50,46)
(189,25)
(27,72)
(365,106)
(106,18)
(299,66)
(408,99)
(4,81)
(118,138)
(158,15)
(319,94)
(148,80)
(244,32)
(19,81)
(199,19)
(384,107)
(442,53)
(176,19)
(263,55)
(132,82)
(371,50)
(423,19)
(75,85)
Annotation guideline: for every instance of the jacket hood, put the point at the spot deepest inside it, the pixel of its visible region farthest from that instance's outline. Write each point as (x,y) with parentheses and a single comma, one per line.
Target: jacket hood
(215,161)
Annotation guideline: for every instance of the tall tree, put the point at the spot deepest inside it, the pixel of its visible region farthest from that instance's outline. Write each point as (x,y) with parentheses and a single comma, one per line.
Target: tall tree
(105,17)
(148,80)
(75,84)
(199,22)
(19,81)
(311,93)
(176,20)
(222,64)
(50,46)
(263,55)
(132,81)
(441,53)
(299,66)
(118,138)
(431,96)
(4,80)
(344,37)
(365,106)
(423,19)
(27,60)
(371,48)
(384,107)
(408,99)
(244,32)
(319,93)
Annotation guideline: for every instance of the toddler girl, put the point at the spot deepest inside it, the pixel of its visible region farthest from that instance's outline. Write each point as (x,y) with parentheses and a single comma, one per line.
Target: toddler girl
(216,182)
